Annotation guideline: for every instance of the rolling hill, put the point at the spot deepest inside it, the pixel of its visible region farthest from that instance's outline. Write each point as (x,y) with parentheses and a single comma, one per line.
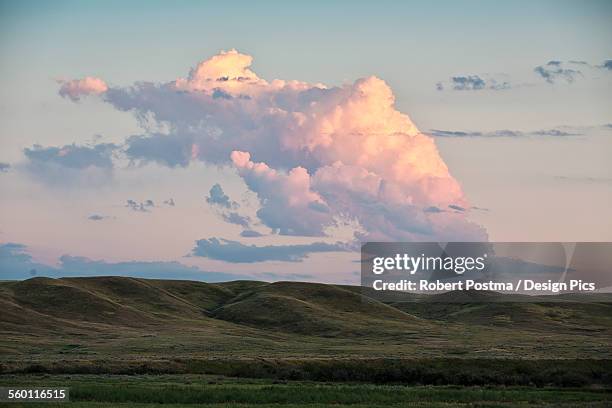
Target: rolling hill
(119,318)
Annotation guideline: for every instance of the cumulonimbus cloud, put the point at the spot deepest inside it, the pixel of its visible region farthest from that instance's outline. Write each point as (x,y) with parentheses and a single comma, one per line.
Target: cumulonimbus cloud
(313,154)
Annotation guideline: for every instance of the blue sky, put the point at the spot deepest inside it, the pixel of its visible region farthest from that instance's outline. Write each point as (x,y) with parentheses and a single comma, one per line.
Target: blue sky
(526,185)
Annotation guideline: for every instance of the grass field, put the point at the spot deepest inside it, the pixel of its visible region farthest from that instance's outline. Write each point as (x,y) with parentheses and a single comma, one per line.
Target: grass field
(134,319)
(186,390)
(124,341)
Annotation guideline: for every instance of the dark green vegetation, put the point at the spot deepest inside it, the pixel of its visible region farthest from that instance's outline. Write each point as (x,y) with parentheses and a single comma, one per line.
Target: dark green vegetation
(124,340)
(216,391)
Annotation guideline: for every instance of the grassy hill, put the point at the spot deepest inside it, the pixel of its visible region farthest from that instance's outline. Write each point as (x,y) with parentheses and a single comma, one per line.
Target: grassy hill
(120,322)
(312,308)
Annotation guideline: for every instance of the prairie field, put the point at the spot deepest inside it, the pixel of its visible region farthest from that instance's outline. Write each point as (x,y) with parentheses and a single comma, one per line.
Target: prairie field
(134,342)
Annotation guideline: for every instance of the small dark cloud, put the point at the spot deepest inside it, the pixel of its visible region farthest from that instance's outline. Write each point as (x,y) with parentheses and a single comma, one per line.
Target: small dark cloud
(4,167)
(433,209)
(216,196)
(554,132)
(236,252)
(468,83)
(170,202)
(73,156)
(250,234)
(97,217)
(507,133)
(140,206)
(585,179)
(454,133)
(474,83)
(554,71)
(503,133)
(237,219)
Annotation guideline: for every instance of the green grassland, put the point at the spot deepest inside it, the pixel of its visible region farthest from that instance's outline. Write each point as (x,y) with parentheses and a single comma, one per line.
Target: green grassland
(124,318)
(216,391)
(126,341)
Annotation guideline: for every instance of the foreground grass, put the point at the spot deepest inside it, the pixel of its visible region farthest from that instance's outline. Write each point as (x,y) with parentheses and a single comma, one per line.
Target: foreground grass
(215,391)
(601,404)
(442,371)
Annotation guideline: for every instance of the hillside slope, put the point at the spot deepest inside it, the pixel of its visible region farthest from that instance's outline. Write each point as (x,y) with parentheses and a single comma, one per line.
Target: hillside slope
(128,318)
(314,308)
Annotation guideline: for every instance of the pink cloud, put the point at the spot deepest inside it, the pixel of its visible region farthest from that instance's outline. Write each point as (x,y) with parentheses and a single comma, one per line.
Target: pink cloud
(313,154)
(289,205)
(77,88)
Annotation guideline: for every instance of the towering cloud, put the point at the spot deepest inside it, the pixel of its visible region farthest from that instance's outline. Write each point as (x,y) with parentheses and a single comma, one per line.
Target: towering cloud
(314,155)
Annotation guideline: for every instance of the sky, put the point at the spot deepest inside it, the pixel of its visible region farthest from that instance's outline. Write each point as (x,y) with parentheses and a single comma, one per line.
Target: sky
(199,140)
